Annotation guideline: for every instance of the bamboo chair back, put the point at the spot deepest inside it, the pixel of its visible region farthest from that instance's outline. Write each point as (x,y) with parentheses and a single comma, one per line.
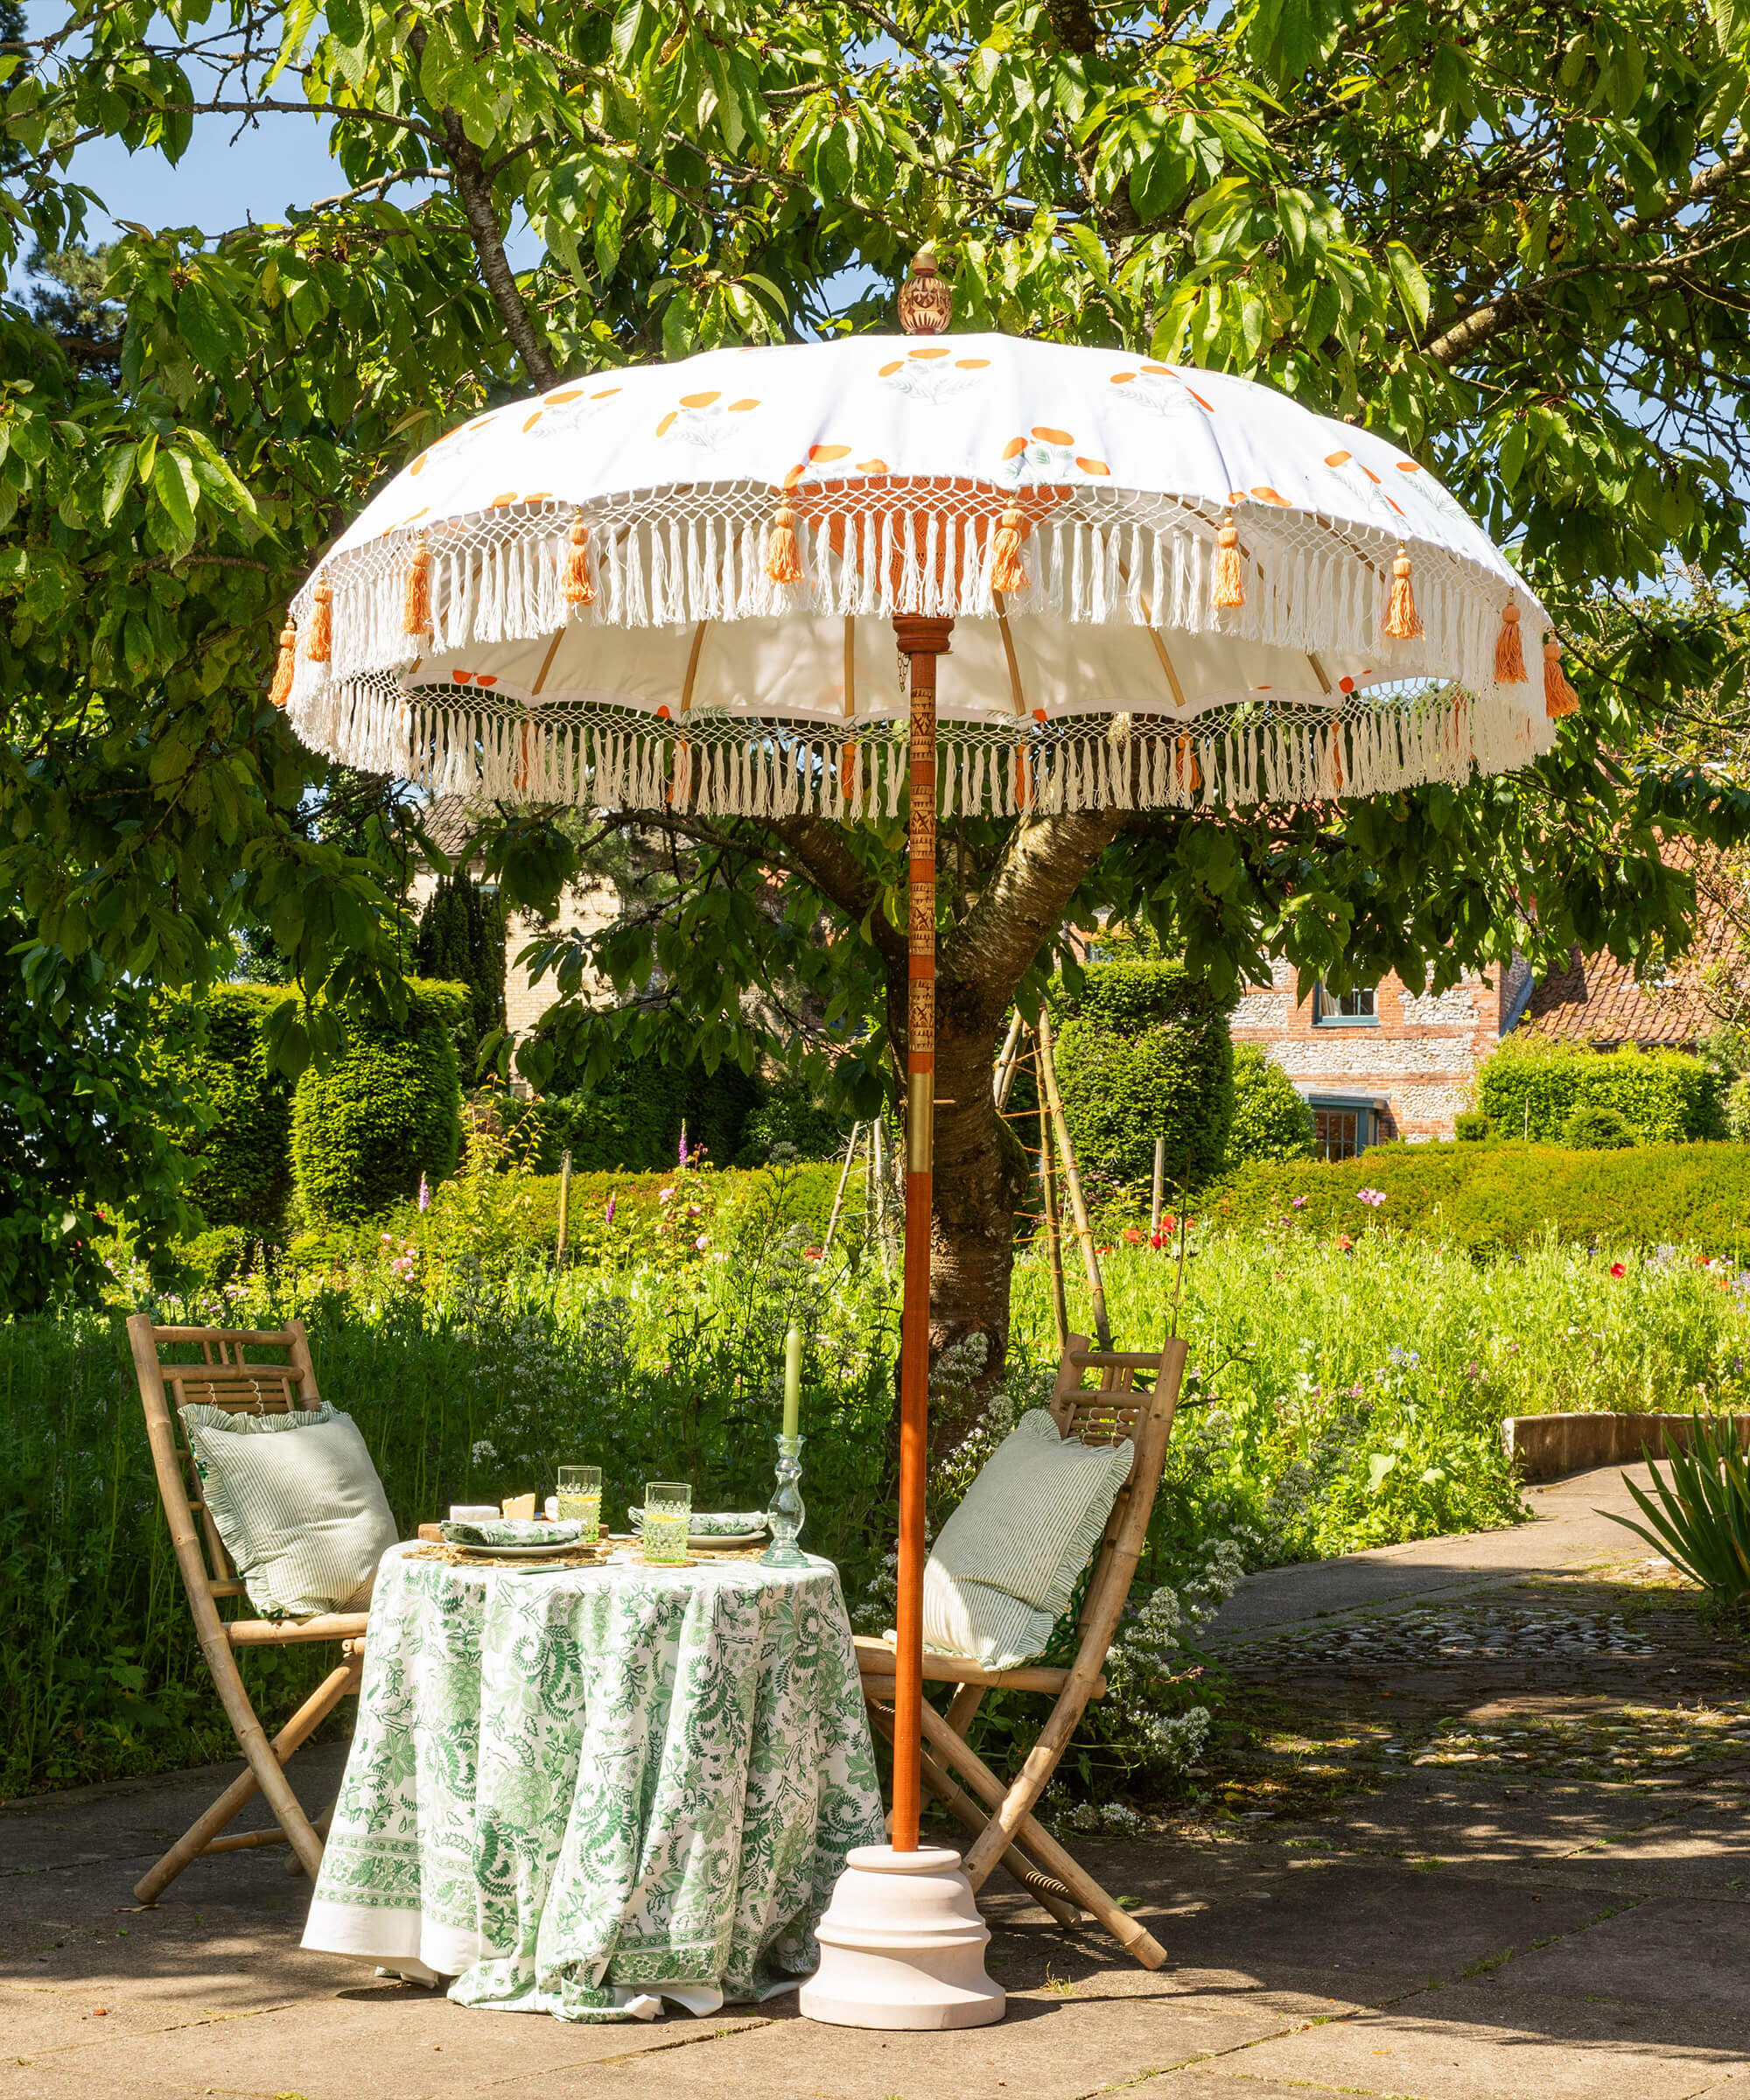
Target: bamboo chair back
(224,1375)
(1134,1398)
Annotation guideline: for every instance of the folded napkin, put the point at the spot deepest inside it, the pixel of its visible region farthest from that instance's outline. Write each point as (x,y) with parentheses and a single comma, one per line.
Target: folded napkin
(512,1531)
(710,1523)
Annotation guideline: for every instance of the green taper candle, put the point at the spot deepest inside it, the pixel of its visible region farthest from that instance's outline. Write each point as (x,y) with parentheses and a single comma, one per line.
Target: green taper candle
(792,1381)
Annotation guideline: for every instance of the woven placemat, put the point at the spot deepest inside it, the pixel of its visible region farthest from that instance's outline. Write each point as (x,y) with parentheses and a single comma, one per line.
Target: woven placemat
(579,1557)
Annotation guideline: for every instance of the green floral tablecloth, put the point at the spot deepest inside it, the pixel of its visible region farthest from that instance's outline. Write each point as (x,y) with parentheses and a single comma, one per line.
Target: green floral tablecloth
(580,1790)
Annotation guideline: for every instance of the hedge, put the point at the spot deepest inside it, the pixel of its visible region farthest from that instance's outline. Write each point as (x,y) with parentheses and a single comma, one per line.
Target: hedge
(632,1121)
(460,940)
(1272,1120)
(384,1112)
(1498,1198)
(1143,1052)
(1530,1084)
(243,1170)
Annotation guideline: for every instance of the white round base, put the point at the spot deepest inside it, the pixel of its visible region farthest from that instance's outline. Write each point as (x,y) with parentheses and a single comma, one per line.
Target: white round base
(902,1945)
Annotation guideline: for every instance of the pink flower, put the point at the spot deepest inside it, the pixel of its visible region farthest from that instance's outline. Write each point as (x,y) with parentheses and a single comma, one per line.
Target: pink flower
(1372,1197)
(424,1193)
(703,1242)
(1299,1203)
(612,1203)
(665,1195)
(1617,1269)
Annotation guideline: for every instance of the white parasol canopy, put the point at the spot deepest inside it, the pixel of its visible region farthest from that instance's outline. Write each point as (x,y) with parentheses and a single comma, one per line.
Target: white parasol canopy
(1289,672)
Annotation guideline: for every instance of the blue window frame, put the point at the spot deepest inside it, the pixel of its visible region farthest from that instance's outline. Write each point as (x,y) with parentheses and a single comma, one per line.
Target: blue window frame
(1356,1009)
(1341,1130)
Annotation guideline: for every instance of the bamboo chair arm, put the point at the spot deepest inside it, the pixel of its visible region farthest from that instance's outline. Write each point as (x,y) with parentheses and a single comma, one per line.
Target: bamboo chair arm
(272,1633)
(875,1659)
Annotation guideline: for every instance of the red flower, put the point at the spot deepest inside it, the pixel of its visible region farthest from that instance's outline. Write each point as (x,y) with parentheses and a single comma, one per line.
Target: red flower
(1131,1234)
(1344,1244)
(1617,1269)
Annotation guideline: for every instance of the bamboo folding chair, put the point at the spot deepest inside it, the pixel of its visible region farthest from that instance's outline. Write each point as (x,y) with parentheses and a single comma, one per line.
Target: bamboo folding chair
(999,1814)
(225,1377)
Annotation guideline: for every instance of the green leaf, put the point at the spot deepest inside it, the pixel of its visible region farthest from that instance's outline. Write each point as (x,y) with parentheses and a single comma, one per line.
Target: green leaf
(1412,286)
(173,484)
(118,477)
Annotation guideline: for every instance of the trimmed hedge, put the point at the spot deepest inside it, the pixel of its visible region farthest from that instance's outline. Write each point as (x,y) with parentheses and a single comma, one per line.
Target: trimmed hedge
(460,940)
(1271,1121)
(1663,1095)
(1143,1053)
(384,1112)
(243,1158)
(1498,1198)
(631,1121)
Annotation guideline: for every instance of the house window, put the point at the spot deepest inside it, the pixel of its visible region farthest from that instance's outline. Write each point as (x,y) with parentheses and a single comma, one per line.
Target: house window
(1340,1131)
(1357,1008)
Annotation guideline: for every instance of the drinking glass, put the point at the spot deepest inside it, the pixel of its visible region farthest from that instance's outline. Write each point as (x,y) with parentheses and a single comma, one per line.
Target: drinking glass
(668,1517)
(580,1496)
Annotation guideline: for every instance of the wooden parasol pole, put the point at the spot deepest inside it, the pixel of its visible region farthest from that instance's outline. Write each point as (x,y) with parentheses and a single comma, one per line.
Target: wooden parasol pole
(921,641)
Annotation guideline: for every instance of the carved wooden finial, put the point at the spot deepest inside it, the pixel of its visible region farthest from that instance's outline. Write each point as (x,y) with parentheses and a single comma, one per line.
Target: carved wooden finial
(926,303)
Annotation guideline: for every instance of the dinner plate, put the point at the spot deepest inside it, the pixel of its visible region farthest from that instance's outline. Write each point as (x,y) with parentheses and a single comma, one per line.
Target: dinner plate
(518,1552)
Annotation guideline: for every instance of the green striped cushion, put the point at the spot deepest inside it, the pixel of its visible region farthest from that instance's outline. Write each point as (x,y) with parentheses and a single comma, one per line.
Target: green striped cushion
(298,1503)
(1006,1563)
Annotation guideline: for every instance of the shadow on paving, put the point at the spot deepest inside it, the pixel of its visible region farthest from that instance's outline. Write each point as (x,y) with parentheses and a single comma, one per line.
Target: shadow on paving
(1501,1851)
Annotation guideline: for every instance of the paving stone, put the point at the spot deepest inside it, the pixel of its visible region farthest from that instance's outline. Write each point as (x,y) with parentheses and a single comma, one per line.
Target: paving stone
(1472,2042)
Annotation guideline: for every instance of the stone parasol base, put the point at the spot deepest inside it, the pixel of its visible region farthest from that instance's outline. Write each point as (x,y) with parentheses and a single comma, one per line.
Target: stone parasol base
(902,1945)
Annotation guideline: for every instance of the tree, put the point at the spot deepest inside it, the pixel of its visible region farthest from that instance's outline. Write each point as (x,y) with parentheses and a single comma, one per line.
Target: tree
(460,940)
(1514,240)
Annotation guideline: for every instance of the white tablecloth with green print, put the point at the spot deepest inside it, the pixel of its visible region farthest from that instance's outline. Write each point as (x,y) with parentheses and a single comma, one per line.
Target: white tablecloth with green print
(582,1790)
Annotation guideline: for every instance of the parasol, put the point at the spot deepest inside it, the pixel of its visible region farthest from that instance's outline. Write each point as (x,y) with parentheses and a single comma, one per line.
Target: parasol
(1112,582)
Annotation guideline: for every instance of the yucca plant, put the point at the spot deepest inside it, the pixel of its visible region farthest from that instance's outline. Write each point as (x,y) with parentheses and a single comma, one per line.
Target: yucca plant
(1701,1520)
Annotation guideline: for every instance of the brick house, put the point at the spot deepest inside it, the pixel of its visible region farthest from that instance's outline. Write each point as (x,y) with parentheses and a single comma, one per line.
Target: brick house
(1382,1062)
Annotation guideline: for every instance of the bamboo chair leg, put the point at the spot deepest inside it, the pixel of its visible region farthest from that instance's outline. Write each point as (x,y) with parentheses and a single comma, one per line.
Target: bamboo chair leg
(967,1699)
(202,1836)
(967,1813)
(1135,1938)
(323,1824)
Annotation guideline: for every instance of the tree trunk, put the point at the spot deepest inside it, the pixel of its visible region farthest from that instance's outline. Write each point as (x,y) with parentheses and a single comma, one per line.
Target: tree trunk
(981,1170)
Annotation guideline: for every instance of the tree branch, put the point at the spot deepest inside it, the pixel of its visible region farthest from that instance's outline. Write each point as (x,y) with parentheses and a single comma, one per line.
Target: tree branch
(993,947)
(818,849)
(473,187)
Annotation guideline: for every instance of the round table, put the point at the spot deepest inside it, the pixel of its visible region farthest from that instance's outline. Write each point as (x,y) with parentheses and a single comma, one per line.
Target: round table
(579,1790)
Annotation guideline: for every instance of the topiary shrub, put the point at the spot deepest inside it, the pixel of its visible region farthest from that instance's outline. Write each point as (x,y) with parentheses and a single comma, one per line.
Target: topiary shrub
(1470,1126)
(1596,1127)
(242,1153)
(1144,1053)
(1737,1109)
(790,1116)
(384,1112)
(1530,1087)
(1271,1121)
(460,940)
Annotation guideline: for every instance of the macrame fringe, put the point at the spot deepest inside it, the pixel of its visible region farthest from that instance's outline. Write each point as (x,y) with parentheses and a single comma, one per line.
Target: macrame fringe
(280,690)
(1560,696)
(1510,654)
(1402,621)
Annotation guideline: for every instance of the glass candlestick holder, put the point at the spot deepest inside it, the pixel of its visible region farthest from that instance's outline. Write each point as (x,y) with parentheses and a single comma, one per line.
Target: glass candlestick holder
(786,1514)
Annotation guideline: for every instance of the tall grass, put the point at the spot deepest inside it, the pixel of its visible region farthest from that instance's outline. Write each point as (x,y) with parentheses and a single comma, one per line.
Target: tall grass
(1339,1399)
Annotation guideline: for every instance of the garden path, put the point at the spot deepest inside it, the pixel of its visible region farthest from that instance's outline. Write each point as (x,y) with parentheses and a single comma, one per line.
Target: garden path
(1565,1531)
(1471,1845)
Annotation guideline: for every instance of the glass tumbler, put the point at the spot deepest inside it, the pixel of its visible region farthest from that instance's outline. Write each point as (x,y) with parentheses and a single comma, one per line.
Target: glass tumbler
(580,1497)
(668,1517)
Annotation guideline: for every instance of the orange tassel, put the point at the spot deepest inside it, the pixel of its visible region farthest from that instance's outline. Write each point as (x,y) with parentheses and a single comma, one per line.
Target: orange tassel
(320,646)
(578,586)
(415,618)
(1509,654)
(783,557)
(1402,623)
(1006,572)
(1230,582)
(1559,697)
(847,771)
(280,691)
